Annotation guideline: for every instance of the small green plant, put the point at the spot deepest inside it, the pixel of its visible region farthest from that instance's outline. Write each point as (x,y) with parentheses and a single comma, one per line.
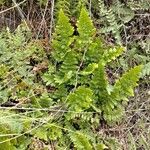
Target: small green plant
(76,94)
(18,58)
(79,70)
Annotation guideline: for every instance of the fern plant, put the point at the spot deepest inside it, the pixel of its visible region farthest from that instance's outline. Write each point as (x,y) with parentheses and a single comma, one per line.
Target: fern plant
(114,17)
(139,5)
(64,5)
(110,22)
(79,68)
(146,70)
(76,93)
(16,67)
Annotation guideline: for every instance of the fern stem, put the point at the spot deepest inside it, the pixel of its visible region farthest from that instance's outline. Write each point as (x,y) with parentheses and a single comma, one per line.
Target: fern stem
(81,63)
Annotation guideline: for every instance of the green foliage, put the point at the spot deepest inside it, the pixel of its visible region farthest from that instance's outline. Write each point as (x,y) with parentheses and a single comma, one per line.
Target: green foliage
(112,54)
(64,5)
(76,94)
(12,127)
(64,30)
(112,17)
(146,70)
(76,6)
(19,56)
(48,131)
(110,20)
(106,96)
(113,143)
(79,101)
(70,7)
(135,5)
(122,89)
(80,141)
(85,27)
(1,2)
(16,69)
(124,86)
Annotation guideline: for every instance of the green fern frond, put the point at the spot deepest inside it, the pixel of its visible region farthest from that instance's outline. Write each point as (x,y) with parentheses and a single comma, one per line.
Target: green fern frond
(80,141)
(62,50)
(70,7)
(114,114)
(86,28)
(100,96)
(89,69)
(99,83)
(146,70)
(67,69)
(95,51)
(76,6)
(70,63)
(102,9)
(124,86)
(48,77)
(112,54)
(81,99)
(110,100)
(122,89)
(64,5)
(139,5)
(85,25)
(62,37)
(110,20)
